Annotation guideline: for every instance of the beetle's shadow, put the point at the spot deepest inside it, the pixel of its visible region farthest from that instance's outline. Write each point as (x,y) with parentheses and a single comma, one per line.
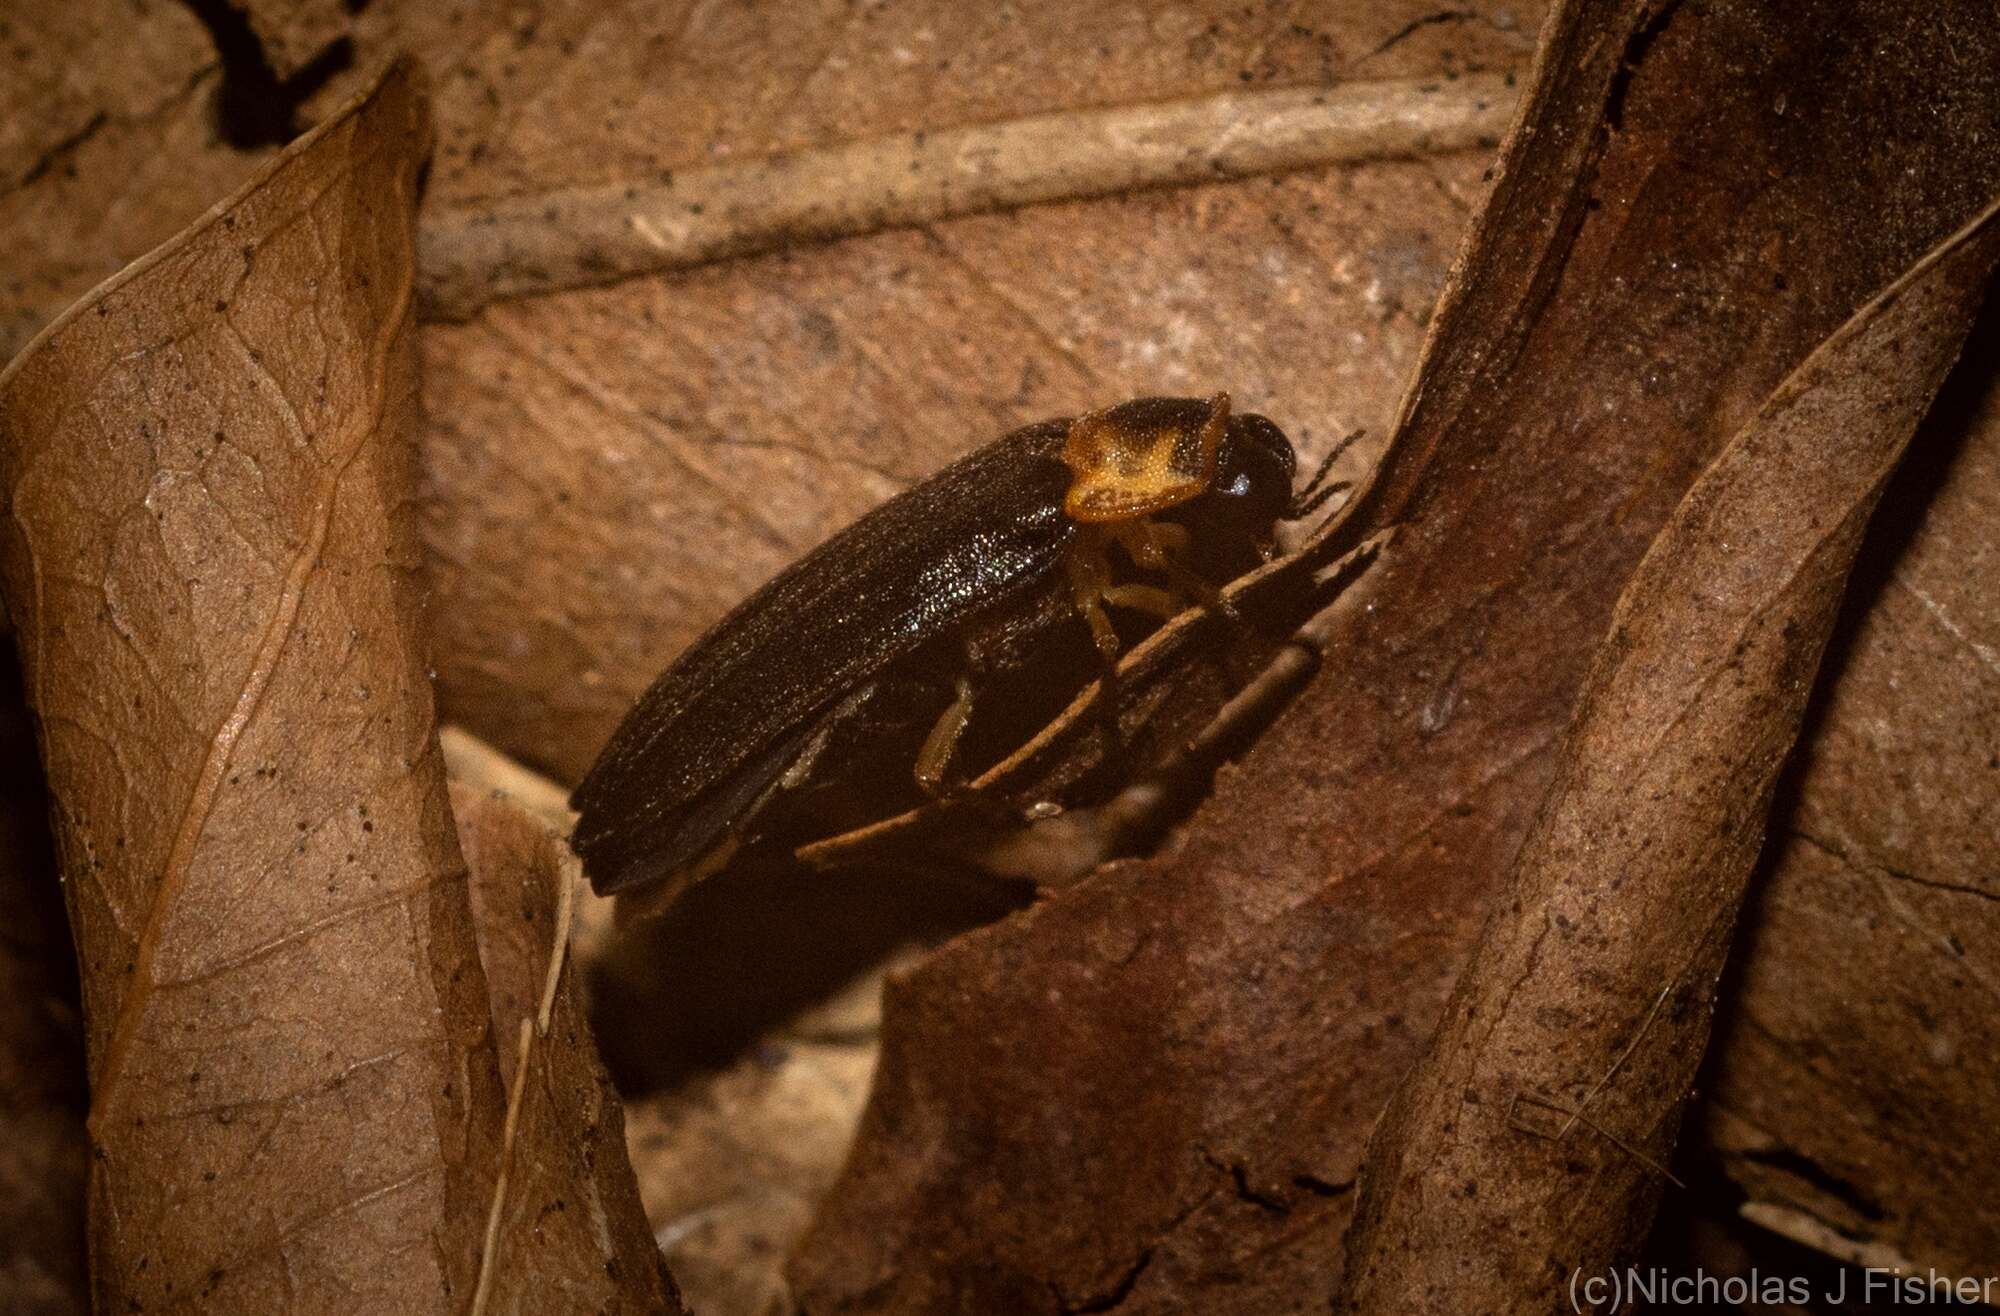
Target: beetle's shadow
(694,988)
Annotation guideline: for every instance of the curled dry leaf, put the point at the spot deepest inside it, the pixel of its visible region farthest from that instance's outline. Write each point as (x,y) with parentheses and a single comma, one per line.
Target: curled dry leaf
(1529,1140)
(566,1230)
(208,552)
(211,556)
(1854,1050)
(1688,207)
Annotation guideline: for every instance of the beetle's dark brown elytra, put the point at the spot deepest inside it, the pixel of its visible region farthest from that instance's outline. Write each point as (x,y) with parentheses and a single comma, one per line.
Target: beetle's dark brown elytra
(932,635)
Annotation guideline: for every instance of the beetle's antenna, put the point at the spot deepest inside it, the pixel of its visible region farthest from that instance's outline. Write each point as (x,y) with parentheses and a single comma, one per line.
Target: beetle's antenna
(1311,498)
(1310,503)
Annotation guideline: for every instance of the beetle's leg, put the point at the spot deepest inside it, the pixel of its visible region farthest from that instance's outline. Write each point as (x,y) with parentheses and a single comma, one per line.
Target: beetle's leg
(1153,545)
(1150,544)
(935,756)
(1089,577)
(1311,498)
(1162,540)
(1145,598)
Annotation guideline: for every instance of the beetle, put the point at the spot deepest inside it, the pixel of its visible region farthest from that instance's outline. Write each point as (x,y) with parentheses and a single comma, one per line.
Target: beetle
(938,630)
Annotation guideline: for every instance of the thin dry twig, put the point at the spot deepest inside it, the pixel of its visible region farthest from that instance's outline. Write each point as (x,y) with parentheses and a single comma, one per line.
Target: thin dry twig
(1617,1064)
(532,1027)
(577,237)
(490,1249)
(1576,1116)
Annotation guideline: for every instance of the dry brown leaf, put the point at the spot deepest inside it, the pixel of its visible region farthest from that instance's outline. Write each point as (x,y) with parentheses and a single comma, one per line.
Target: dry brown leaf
(208,554)
(733,1160)
(1529,1141)
(1685,213)
(1856,1037)
(296,1101)
(106,146)
(566,1231)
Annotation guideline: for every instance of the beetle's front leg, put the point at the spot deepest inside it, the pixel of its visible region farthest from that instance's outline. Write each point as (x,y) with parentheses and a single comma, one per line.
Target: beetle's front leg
(1090,588)
(1153,545)
(1089,582)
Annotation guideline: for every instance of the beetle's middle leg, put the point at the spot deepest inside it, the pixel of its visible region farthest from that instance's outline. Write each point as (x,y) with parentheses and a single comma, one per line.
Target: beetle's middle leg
(1163,603)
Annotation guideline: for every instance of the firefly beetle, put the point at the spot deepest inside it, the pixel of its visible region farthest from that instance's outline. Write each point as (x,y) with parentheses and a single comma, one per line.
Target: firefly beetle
(939,630)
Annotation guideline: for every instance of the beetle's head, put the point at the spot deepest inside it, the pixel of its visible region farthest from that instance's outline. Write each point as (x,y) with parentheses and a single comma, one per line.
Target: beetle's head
(1256,465)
